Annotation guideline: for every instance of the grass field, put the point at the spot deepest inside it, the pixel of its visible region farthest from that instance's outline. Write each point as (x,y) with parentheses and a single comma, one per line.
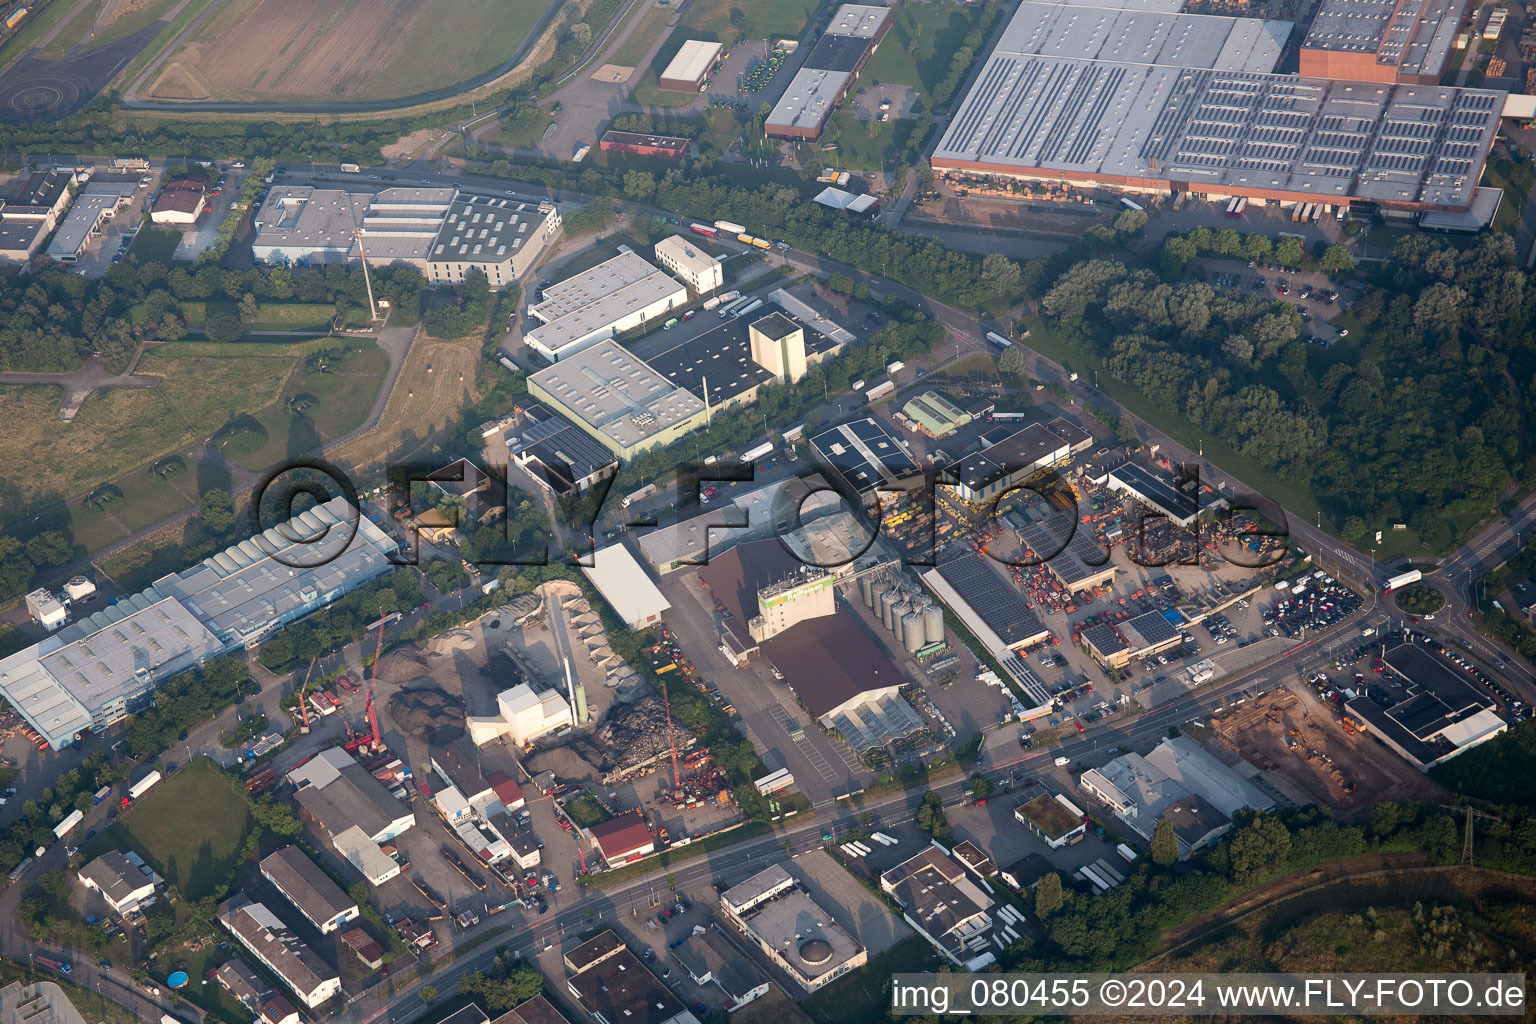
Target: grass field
(335,400)
(866,145)
(204,386)
(758,19)
(653,21)
(152,245)
(421,404)
(194,851)
(338,49)
(917,51)
(74,30)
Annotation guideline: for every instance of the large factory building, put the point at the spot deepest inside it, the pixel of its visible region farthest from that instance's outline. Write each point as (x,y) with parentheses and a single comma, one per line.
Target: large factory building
(1152,100)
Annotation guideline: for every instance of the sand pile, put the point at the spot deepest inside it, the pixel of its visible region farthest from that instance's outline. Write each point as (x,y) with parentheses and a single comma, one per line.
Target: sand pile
(425,710)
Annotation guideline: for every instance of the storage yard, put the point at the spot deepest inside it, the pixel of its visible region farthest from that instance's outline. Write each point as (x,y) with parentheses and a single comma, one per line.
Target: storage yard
(1296,741)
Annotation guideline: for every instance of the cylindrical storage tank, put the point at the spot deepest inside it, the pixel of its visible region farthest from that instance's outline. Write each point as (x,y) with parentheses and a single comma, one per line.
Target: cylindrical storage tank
(866,591)
(914,634)
(897,614)
(933,624)
(888,601)
(876,591)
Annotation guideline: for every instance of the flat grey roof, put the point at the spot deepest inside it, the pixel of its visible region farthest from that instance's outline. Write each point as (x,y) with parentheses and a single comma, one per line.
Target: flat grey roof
(693,60)
(1059,96)
(479,229)
(616,394)
(1412,35)
(860,20)
(595,299)
(300,967)
(793,921)
(809,99)
(396,223)
(89,210)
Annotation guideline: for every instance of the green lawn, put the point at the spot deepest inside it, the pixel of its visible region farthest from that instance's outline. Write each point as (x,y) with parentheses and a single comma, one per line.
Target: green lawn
(161,41)
(653,20)
(270,316)
(147,498)
(189,828)
(585,811)
(864,145)
(152,245)
(917,51)
(730,20)
(90,526)
(319,404)
(859,997)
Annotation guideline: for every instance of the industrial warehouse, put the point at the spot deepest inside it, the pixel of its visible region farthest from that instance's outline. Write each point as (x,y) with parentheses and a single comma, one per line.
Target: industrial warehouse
(829,71)
(617,295)
(100,669)
(618,399)
(786,924)
(440,231)
(1153,100)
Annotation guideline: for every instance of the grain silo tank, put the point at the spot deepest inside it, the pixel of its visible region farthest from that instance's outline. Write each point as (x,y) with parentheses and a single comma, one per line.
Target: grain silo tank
(866,591)
(913,632)
(898,615)
(888,602)
(933,624)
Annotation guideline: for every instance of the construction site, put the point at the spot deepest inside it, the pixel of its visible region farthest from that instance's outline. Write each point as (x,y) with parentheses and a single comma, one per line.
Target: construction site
(1308,753)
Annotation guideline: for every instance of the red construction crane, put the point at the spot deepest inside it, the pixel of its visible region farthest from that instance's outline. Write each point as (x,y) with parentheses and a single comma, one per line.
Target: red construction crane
(303,701)
(677,776)
(368,708)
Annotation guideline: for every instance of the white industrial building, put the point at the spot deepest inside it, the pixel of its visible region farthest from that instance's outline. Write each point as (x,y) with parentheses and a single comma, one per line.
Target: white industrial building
(364,854)
(789,927)
(625,585)
(45,609)
(617,295)
(942,902)
(698,269)
(269,940)
(312,892)
(689,70)
(1178,781)
(93,207)
(124,881)
(440,231)
(98,669)
(524,716)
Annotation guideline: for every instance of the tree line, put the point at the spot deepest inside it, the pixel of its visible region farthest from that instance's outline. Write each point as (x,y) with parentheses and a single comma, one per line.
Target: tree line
(1422,425)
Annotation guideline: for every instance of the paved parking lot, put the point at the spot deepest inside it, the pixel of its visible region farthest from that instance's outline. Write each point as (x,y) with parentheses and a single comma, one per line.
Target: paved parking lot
(1311,292)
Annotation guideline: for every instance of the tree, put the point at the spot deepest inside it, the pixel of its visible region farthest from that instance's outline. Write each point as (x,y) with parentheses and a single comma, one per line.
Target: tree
(1048,895)
(1175,255)
(1259,850)
(981,787)
(1011,361)
(1257,247)
(1289,252)
(249,310)
(1336,259)
(358,891)
(223,328)
(999,274)
(1165,845)
(639,184)
(1131,222)
(582,33)
(216,511)
(428,994)
(930,816)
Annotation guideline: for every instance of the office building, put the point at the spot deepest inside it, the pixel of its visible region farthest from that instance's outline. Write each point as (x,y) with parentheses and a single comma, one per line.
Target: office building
(618,399)
(945,905)
(691,68)
(697,268)
(499,237)
(829,71)
(309,889)
(281,951)
(772,911)
(615,296)
(98,669)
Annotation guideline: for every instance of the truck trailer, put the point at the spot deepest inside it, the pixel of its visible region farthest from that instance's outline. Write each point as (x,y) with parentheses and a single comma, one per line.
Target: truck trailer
(1402,579)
